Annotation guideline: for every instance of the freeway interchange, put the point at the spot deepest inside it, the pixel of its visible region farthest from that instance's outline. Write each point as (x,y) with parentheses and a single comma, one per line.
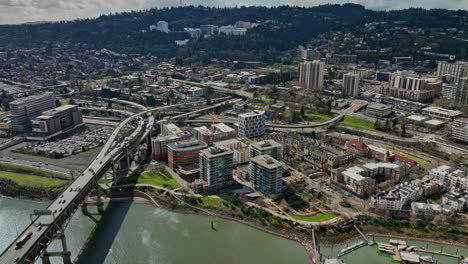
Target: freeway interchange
(68,202)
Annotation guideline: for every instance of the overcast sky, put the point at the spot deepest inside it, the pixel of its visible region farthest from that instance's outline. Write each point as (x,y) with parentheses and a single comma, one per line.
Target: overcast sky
(20,11)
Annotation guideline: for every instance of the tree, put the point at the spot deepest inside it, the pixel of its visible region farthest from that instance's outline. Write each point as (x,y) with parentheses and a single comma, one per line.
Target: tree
(302,111)
(403,130)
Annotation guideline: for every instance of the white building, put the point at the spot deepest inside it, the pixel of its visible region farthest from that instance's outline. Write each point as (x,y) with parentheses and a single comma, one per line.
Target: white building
(193,32)
(441,113)
(378,110)
(311,74)
(456,70)
(216,167)
(163,26)
(350,85)
(169,129)
(218,132)
(460,129)
(240,148)
(455,179)
(251,124)
(230,30)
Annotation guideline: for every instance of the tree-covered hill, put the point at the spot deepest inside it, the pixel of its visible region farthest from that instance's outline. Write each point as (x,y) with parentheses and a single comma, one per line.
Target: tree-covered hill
(281,29)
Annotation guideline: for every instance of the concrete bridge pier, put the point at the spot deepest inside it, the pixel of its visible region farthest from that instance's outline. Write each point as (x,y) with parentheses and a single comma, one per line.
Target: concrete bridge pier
(84,208)
(65,253)
(99,202)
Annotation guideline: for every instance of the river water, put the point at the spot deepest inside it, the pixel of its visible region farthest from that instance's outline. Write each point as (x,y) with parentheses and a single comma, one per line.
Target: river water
(141,233)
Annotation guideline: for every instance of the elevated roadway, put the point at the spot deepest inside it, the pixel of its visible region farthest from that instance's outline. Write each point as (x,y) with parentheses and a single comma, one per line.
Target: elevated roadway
(73,197)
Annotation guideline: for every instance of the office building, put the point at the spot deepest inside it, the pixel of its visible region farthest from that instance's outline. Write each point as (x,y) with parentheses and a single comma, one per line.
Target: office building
(311,74)
(184,152)
(460,129)
(58,120)
(216,165)
(266,174)
(162,26)
(230,30)
(441,113)
(350,85)
(23,110)
(461,98)
(266,147)
(251,124)
(412,87)
(456,70)
(378,110)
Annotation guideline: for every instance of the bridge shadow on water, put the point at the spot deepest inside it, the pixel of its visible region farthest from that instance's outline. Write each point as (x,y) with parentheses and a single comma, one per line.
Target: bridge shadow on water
(96,248)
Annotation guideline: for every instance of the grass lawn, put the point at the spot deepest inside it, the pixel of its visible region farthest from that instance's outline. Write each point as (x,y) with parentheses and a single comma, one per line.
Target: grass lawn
(314,117)
(159,178)
(316,218)
(258,101)
(64,103)
(26,170)
(406,155)
(31,180)
(359,123)
(104,181)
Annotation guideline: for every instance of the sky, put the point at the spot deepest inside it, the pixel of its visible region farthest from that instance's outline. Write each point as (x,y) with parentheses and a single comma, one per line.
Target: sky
(21,11)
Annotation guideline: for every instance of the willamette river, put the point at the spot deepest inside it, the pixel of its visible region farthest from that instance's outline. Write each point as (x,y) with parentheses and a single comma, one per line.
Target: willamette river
(141,233)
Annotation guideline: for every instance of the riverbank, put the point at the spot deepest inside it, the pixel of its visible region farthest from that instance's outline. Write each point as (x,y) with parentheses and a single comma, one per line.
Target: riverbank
(294,235)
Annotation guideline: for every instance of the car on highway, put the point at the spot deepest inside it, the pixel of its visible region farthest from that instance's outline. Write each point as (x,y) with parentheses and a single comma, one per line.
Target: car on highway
(17,259)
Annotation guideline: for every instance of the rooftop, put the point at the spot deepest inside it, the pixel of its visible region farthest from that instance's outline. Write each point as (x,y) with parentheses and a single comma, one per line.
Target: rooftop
(267,161)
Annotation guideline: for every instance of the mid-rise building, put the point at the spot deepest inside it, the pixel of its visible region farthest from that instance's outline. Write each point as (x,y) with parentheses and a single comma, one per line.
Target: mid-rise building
(460,129)
(184,152)
(218,132)
(169,129)
(209,29)
(159,144)
(454,178)
(25,109)
(350,85)
(266,174)
(216,165)
(162,26)
(378,110)
(239,147)
(58,120)
(360,179)
(412,87)
(311,74)
(251,124)
(266,147)
(461,98)
(449,91)
(456,70)
(441,113)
